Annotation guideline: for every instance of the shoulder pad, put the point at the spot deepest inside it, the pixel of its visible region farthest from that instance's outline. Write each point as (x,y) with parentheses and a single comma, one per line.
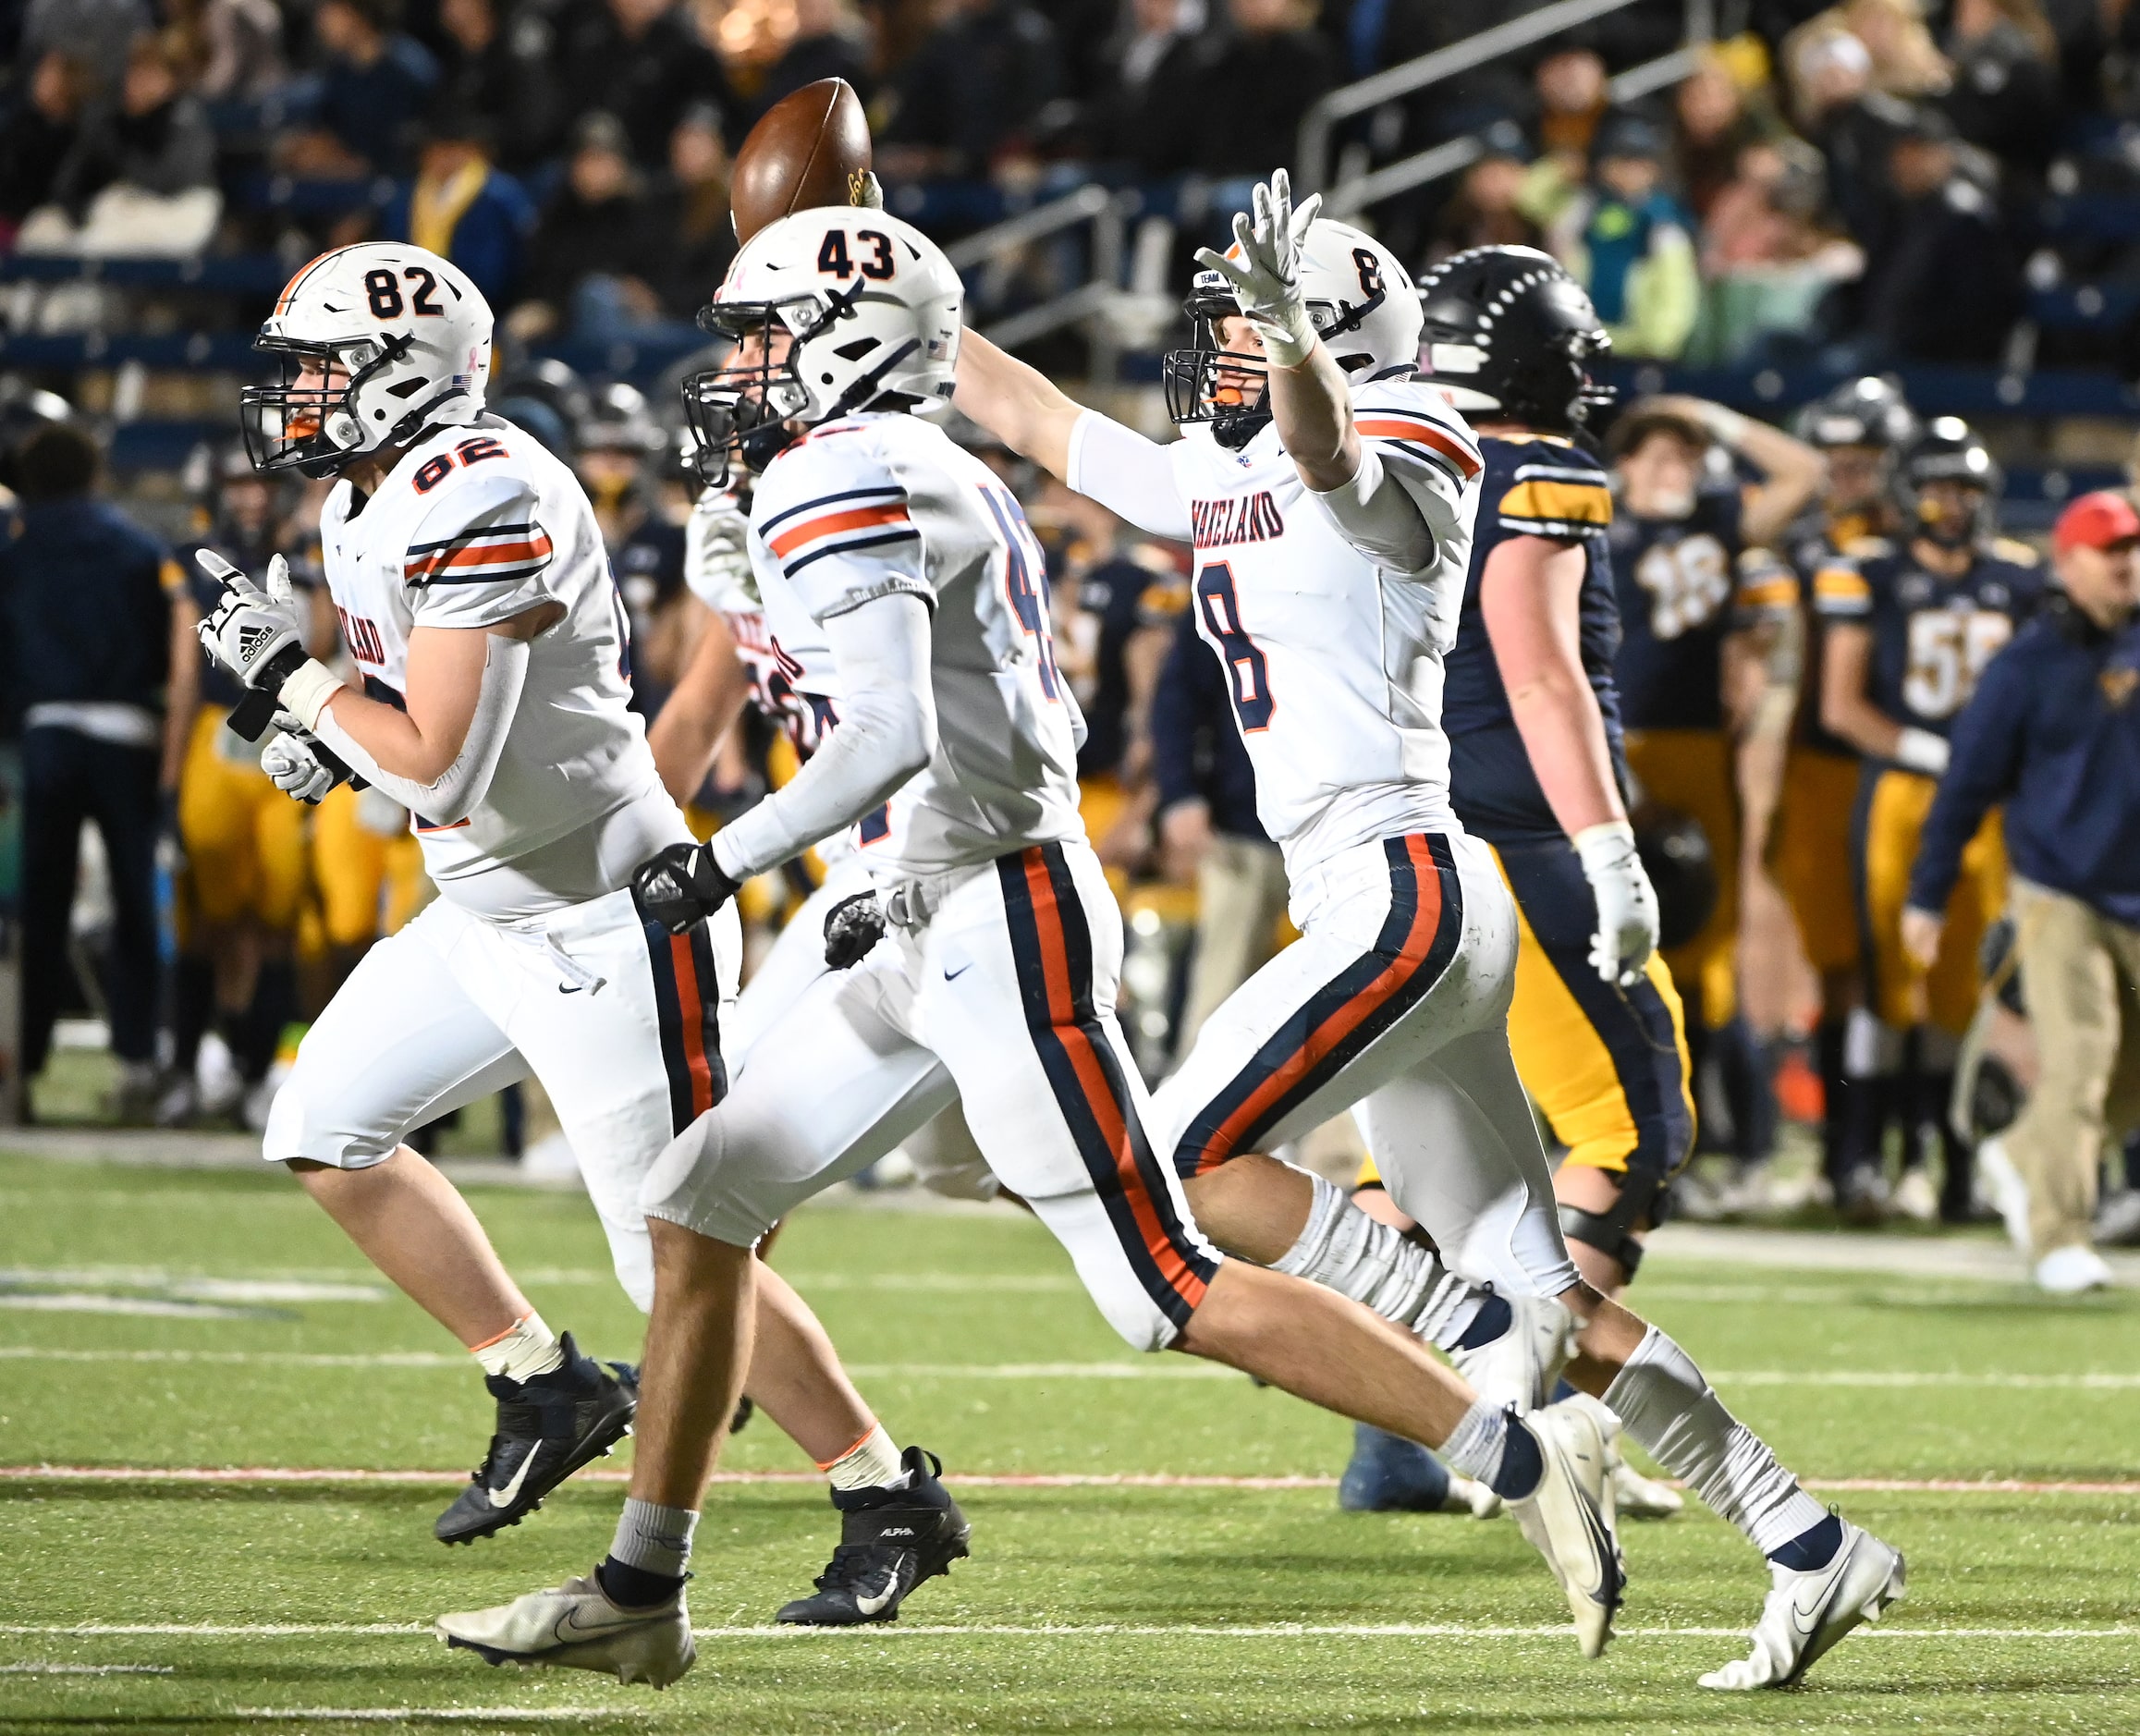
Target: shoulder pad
(1868,547)
(2020,554)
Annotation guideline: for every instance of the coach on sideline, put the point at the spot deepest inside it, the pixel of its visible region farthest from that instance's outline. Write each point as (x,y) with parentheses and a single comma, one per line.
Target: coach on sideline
(2053,731)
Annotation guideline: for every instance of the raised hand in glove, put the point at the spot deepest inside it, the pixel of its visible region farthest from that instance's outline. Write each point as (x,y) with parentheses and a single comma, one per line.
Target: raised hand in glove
(1627,904)
(681,886)
(259,636)
(852,927)
(293,766)
(1264,269)
(717,552)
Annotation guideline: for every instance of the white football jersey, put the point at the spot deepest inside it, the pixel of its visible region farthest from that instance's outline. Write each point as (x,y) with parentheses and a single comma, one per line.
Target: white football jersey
(880,504)
(793,683)
(1334,662)
(474,525)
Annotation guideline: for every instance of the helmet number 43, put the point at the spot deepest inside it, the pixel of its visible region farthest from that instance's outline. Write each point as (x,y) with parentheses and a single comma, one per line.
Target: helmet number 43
(834,259)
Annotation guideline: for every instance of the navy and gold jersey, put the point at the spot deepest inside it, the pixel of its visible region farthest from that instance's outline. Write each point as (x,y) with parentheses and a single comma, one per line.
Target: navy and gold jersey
(1116,599)
(1544,487)
(1931,635)
(1683,585)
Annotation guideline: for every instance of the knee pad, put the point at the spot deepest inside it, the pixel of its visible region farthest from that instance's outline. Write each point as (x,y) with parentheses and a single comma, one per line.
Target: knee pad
(1643,1203)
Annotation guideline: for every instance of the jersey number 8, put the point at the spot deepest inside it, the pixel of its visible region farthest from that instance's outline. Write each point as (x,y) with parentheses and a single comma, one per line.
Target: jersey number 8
(1242,656)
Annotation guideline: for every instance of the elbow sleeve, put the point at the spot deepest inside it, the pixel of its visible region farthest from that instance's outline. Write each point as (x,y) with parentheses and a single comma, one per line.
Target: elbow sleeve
(459,790)
(1130,476)
(1394,520)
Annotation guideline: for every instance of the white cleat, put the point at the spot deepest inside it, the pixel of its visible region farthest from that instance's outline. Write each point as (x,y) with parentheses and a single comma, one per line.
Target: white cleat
(1916,1198)
(2070,1270)
(1521,1367)
(1633,1495)
(1568,1520)
(2009,1192)
(576,1626)
(1806,1613)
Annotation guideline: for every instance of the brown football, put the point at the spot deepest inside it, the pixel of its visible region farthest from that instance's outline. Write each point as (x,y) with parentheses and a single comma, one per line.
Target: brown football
(809,149)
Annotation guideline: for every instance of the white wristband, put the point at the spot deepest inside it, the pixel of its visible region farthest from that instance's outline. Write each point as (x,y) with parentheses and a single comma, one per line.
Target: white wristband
(1284,348)
(306,694)
(1605,832)
(1921,751)
(1727,427)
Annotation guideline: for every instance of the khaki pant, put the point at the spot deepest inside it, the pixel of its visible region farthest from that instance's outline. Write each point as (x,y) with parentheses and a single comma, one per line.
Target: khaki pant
(2080,973)
(1241,894)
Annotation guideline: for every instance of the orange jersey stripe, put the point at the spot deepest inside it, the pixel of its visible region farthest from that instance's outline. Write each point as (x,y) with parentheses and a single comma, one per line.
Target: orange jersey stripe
(810,529)
(1093,1080)
(690,1015)
(1411,956)
(1427,433)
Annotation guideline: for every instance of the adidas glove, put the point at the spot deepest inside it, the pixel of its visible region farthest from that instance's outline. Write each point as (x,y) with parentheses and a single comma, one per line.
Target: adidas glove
(259,636)
(681,886)
(852,928)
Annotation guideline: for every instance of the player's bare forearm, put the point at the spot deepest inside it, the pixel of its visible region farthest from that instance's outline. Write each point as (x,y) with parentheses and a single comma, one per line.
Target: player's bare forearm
(445,680)
(1020,406)
(706,705)
(1313,407)
(1530,595)
(182,696)
(1846,666)
(1761,699)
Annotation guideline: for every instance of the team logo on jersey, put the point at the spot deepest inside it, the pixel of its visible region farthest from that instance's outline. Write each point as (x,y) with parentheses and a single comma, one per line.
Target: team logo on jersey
(2118,685)
(1913,590)
(1239,518)
(1994,595)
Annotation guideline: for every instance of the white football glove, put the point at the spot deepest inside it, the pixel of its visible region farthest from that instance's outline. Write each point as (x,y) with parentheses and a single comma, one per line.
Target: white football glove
(1266,277)
(1627,903)
(717,552)
(259,636)
(293,768)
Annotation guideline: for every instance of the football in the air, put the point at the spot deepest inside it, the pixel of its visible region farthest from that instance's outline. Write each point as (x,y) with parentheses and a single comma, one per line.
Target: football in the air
(809,149)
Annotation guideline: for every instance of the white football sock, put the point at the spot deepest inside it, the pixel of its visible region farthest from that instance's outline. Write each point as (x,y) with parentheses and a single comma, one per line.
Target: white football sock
(1671,1410)
(527,1347)
(653,1538)
(873,1462)
(1343,1249)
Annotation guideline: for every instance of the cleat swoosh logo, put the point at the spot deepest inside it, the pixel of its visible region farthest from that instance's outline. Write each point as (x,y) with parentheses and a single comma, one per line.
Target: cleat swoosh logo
(1807,1609)
(511,1492)
(874,1603)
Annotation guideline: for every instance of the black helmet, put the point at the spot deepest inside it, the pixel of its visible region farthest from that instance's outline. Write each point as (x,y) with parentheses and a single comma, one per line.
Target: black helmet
(1507,330)
(1681,866)
(1948,451)
(1868,411)
(545,398)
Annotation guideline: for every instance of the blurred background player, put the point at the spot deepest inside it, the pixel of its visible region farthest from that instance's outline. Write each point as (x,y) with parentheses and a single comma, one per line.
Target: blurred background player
(1703,607)
(1910,622)
(244,842)
(616,450)
(93,625)
(1861,428)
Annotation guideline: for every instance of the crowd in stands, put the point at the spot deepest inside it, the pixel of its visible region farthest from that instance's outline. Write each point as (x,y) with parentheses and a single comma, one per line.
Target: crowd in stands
(1860,183)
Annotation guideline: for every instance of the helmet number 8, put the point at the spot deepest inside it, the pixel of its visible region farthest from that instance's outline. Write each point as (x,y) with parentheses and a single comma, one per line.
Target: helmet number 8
(385,293)
(834,260)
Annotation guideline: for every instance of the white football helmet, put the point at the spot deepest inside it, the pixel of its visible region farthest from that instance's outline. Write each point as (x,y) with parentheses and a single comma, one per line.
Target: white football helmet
(394,340)
(871,310)
(1360,297)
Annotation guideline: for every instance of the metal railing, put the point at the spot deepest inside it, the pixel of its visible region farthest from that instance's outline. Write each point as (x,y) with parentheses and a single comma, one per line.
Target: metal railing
(1091,303)
(1454,155)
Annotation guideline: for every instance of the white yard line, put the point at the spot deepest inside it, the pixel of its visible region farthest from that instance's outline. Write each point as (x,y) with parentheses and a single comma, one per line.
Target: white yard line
(1150,1368)
(87,1670)
(239,1475)
(1067,1631)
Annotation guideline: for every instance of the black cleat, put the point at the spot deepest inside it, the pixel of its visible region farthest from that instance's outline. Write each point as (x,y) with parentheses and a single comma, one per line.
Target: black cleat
(890,1540)
(548,1427)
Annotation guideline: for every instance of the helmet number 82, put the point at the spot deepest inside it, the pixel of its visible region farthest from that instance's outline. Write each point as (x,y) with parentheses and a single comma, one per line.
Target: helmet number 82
(385,293)
(834,260)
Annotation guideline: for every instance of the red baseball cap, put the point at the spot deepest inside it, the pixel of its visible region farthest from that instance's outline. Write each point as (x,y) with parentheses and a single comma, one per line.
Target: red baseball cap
(2102,520)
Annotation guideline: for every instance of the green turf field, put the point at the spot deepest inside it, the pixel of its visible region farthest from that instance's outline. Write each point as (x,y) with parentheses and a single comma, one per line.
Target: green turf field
(164,1319)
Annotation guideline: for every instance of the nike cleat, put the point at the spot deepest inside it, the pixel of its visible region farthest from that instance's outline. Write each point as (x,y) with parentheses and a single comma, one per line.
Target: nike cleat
(576,1626)
(1391,1475)
(1521,1367)
(890,1540)
(548,1427)
(1568,1520)
(1806,1614)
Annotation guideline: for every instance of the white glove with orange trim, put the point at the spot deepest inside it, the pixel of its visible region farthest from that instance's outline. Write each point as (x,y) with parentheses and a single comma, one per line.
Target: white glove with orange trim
(1266,277)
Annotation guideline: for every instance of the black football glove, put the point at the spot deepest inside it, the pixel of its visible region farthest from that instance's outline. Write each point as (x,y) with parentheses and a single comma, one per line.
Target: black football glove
(681,886)
(852,927)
